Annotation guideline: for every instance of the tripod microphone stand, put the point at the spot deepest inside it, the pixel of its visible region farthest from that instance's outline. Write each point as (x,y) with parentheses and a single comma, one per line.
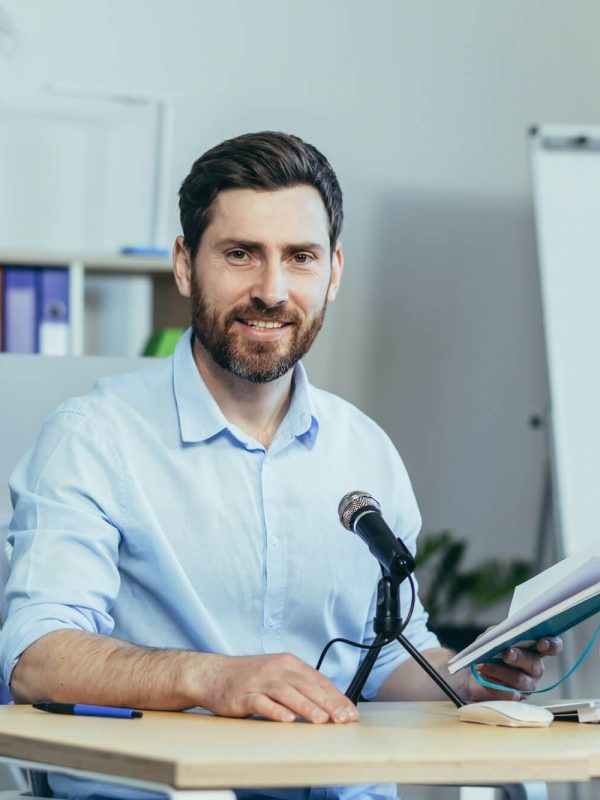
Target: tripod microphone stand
(360,513)
(388,626)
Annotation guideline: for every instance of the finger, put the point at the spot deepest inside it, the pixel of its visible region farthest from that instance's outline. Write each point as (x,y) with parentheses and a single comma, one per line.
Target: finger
(485,693)
(318,688)
(550,645)
(314,676)
(268,708)
(528,661)
(338,706)
(481,692)
(288,696)
(295,668)
(507,676)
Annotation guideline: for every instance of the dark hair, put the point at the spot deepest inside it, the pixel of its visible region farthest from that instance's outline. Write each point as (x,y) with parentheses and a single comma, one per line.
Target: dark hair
(266,160)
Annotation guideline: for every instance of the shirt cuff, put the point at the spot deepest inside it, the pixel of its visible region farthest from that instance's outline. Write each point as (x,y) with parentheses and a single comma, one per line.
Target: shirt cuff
(21,630)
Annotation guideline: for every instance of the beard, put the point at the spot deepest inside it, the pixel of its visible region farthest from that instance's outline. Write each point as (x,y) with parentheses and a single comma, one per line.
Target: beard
(256,362)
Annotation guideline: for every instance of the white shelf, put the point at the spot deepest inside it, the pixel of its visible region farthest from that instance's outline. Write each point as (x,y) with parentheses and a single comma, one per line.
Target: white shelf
(105,262)
(144,313)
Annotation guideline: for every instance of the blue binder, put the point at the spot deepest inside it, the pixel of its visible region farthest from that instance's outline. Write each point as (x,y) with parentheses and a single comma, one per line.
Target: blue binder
(53,311)
(20,323)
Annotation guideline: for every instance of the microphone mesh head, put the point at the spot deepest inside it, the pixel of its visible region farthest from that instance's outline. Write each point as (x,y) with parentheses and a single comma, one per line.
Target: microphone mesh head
(353,502)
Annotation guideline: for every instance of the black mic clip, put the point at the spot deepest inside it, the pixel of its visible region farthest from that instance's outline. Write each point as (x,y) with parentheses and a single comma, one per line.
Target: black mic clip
(400,567)
(387,620)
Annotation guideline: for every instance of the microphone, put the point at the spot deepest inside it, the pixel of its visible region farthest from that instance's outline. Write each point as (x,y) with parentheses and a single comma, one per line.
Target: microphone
(361,514)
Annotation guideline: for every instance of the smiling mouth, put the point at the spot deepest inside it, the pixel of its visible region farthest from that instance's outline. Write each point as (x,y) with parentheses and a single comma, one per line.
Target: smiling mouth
(263,324)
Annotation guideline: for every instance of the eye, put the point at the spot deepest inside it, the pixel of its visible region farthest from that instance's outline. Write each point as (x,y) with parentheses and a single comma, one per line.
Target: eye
(237,255)
(303,258)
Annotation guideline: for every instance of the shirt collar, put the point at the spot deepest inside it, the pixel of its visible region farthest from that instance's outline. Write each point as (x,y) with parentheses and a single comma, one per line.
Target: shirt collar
(301,415)
(200,417)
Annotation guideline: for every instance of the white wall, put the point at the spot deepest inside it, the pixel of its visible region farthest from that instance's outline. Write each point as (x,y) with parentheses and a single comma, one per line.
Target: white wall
(422,108)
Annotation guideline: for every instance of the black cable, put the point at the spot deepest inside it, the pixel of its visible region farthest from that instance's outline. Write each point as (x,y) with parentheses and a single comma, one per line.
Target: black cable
(353,644)
(363,646)
(413,600)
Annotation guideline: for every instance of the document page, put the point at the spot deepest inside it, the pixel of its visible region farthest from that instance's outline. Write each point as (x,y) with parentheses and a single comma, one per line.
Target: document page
(545,591)
(556,583)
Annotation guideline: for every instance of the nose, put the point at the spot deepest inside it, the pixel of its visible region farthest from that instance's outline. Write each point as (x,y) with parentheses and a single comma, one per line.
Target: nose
(271,285)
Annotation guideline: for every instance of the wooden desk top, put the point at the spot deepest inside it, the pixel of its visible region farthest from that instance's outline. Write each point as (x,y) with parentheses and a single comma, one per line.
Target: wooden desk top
(420,743)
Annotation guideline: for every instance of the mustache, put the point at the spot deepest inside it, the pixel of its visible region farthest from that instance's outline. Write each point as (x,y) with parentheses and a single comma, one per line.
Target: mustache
(262,313)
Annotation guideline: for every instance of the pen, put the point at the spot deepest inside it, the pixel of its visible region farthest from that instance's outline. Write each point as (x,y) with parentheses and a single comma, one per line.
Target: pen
(88,711)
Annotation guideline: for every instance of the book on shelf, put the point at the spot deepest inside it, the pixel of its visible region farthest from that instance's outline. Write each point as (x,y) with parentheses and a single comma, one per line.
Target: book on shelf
(162,343)
(546,605)
(35,310)
(53,312)
(20,334)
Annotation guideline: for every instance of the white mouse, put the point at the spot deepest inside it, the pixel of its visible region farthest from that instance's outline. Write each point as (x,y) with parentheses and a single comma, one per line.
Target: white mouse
(506,712)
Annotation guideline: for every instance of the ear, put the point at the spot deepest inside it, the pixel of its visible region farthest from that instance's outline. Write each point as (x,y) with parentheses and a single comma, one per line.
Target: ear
(182,267)
(337,265)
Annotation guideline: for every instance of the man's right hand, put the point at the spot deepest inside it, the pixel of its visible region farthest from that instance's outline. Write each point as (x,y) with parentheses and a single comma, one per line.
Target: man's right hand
(279,687)
(69,666)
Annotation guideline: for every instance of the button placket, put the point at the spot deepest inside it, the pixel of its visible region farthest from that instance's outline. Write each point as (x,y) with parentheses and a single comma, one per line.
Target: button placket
(274,556)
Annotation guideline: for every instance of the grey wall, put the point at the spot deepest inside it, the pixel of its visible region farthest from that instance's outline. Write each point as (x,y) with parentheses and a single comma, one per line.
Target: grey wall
(422,107)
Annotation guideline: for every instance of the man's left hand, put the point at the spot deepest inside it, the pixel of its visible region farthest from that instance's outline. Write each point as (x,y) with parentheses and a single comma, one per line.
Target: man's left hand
(518,668)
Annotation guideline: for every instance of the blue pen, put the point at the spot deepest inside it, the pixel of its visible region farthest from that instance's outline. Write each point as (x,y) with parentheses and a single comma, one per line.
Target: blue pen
(84,710)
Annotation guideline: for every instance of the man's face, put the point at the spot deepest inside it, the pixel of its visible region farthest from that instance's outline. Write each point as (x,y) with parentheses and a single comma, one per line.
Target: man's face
(262,279)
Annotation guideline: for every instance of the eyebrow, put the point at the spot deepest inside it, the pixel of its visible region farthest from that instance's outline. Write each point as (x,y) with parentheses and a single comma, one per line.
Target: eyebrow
(245,244)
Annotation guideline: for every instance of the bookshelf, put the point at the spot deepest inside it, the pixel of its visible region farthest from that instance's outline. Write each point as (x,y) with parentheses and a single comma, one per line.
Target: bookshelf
(157,302)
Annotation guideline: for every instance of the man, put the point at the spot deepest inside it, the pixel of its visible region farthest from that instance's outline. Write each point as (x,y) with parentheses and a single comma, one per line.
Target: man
(176,540)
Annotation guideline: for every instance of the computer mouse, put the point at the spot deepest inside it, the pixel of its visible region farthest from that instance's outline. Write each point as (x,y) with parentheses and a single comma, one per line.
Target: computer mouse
(506,712)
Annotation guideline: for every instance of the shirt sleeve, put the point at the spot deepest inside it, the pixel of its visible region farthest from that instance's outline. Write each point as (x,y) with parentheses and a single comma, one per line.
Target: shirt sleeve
(406,523)
(68,496)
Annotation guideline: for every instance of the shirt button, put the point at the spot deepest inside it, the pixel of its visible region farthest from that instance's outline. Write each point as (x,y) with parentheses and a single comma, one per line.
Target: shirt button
(270,622)
(274,540)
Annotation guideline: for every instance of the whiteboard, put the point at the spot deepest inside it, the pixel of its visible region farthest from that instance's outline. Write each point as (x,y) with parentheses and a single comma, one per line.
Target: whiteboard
(566,187)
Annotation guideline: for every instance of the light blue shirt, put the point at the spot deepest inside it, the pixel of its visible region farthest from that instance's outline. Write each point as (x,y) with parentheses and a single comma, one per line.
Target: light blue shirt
(142,513)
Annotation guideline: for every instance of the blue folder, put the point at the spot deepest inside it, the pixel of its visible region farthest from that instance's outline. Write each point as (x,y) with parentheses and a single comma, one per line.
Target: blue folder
(53,311)
(20,318)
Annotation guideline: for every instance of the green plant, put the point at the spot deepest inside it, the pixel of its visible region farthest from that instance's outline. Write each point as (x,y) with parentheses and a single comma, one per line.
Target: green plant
(453,595)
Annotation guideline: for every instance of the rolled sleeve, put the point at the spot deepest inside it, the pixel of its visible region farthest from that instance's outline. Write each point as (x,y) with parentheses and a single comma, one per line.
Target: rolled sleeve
(68,496)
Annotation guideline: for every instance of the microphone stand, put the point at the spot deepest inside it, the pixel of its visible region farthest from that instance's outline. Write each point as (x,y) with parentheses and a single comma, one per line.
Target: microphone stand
(387,625)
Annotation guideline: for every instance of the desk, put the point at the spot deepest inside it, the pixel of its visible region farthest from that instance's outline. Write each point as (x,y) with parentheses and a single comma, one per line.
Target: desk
(410,743)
